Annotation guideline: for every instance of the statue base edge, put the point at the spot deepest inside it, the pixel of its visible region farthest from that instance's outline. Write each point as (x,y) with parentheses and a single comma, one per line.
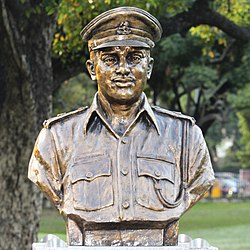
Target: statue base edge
(52,242)
(40,246)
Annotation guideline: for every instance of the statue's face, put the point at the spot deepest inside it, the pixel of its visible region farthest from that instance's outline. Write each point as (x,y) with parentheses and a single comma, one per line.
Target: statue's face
(121,73)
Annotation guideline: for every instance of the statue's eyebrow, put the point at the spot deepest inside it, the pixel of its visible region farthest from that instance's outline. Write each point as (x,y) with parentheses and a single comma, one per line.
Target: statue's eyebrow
(106,52)
(143,52)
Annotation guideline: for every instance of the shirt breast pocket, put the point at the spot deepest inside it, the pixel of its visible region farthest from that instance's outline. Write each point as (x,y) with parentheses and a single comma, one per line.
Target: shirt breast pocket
(158,183)
(92,183)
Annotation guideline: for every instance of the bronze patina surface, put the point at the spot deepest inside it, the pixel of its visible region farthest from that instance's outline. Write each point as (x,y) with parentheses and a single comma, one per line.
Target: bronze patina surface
(121,172)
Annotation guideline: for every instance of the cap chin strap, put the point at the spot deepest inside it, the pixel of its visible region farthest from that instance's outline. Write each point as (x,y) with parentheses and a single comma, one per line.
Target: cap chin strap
(120,40)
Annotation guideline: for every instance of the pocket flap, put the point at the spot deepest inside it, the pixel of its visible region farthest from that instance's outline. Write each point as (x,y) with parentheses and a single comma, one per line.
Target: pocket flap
(158,169)
(90,170)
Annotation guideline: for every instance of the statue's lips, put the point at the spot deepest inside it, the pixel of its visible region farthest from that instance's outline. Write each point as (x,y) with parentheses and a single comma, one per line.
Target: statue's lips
(124,82)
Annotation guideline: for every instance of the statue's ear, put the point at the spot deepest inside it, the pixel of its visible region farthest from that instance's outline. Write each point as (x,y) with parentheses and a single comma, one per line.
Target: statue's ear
(150,67)
(91,69)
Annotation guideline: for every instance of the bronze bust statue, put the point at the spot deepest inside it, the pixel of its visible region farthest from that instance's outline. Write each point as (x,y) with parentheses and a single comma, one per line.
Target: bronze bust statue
(121,172)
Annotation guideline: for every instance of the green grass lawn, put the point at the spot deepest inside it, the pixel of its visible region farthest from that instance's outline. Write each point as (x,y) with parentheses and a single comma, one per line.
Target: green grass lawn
(52,223)
(225,225)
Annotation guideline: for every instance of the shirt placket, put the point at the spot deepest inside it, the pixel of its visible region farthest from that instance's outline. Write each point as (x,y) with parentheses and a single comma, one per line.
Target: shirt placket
(123,173)
(124,178)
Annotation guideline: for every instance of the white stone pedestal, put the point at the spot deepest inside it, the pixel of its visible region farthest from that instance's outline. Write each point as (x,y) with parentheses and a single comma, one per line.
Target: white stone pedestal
(52,242)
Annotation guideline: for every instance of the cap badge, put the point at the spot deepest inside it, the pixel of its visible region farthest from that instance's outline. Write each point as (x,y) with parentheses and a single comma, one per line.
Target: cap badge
(124,28)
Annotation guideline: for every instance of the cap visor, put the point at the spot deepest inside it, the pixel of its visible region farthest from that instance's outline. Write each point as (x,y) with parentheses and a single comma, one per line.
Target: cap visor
(132,43)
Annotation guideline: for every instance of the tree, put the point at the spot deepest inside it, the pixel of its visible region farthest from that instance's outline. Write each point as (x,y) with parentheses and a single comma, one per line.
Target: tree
(28,77)
(201,74)
(241,104)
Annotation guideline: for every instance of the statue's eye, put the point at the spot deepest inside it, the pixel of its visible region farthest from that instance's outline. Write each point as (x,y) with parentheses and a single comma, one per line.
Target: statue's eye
(109,60)
(135,58)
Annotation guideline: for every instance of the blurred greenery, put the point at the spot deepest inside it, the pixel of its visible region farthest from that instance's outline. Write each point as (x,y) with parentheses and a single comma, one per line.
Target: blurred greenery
(224,225)
(52,223)
(74,93)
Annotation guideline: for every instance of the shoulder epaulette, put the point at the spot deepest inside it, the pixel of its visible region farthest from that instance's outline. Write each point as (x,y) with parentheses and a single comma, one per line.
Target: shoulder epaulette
(62,116)
(175,114)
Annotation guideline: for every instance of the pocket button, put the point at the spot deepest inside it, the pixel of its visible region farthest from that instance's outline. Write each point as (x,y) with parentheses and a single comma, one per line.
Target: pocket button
(157,173)
(89,175)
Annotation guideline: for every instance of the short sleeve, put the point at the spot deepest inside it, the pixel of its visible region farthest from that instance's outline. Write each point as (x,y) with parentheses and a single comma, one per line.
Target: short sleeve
(200,173)
(44,168)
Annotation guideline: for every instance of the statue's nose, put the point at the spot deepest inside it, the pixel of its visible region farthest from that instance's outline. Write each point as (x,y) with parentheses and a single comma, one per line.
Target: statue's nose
(123,67)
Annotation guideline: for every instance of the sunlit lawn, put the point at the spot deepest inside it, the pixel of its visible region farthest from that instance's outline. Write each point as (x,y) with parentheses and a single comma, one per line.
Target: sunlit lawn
(52,223)
(225,225)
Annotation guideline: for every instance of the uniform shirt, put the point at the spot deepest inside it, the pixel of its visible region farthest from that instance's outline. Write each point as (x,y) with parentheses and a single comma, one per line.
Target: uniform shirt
(91,172)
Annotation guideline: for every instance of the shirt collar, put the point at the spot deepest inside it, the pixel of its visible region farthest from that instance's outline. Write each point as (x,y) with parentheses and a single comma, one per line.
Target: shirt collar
(95,108)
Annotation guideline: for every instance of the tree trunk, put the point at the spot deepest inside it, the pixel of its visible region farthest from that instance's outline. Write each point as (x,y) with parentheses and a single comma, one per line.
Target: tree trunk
(25,101)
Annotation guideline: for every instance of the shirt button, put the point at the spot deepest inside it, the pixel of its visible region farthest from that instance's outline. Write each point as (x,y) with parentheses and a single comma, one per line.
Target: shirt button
(125,204)
(124,171)
(89,174)
(125,140)
(157,173)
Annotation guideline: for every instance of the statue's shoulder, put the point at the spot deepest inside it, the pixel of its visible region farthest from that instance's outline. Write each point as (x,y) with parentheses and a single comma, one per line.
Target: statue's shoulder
(63,116)
(174,114)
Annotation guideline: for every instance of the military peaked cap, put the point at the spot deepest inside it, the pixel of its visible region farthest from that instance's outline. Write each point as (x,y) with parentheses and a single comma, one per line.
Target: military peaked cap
(123,26)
